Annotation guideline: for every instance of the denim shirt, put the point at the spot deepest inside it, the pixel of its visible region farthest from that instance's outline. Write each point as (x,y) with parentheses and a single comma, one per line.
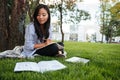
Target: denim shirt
(31,39)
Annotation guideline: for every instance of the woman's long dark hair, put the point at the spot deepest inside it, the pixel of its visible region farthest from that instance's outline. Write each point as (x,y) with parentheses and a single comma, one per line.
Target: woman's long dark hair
(37,25)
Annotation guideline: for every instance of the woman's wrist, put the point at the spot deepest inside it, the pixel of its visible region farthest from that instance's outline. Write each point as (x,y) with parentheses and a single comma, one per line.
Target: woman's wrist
(40,45)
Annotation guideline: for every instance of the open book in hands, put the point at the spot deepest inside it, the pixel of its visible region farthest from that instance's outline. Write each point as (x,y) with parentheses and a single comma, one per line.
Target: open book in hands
(41,66)
(77,59)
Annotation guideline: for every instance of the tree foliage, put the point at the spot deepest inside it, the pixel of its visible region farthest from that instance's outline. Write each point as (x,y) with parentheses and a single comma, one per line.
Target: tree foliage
(115,19)
(68,12)
(107,20)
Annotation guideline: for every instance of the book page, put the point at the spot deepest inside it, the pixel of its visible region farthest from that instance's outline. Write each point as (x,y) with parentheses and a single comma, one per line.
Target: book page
(50,65)
(26,66)
(77,59)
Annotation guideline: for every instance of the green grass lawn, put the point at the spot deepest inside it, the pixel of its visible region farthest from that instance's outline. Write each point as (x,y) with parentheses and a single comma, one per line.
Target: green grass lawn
(104,64)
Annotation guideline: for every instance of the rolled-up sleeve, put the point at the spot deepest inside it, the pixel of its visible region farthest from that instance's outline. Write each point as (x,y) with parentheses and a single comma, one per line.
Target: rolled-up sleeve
(50,33)
(30,37)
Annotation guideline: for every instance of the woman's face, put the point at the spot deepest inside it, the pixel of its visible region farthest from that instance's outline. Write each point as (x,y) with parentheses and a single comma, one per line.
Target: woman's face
(42,16)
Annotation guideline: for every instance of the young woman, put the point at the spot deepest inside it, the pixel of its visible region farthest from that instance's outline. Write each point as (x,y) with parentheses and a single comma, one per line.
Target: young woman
(38,35)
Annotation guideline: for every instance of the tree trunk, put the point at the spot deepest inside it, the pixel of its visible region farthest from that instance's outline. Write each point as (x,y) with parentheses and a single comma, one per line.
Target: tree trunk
(61,20)
(16,31)
(3,25)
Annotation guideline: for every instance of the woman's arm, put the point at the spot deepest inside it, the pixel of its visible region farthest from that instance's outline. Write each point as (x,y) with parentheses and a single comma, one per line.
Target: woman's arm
(40,45)
(46,41)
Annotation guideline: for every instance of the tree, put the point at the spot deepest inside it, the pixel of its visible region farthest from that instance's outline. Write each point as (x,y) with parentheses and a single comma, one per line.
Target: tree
(105,18)
(16,36)
(68,13)
(12,20)
(115,19)
(61,20)
(4,23)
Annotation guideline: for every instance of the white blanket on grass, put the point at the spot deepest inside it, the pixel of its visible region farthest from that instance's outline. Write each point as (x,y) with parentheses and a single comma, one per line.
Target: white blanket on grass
(15,53)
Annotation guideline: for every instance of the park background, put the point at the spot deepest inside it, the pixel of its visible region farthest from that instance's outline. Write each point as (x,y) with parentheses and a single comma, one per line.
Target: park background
(89,29)
(71,20)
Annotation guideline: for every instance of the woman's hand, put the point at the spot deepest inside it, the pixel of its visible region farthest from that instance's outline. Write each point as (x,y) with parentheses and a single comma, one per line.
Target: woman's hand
(40,45)
(48,41)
